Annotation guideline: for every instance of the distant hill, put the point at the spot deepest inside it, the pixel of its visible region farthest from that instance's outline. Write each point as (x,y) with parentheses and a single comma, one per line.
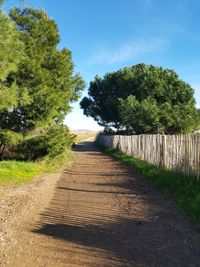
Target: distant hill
(82,131)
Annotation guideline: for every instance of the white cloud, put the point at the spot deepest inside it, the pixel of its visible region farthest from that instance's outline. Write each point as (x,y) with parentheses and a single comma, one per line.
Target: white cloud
(127,51)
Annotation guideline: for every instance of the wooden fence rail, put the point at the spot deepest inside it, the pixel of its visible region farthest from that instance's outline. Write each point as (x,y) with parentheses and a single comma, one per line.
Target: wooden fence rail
(180,153)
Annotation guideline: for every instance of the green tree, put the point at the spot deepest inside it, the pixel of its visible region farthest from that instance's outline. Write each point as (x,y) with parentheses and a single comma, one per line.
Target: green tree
(139,117)
(142,99)
(52,141)
(11,48)
(44,83)
(197,121)
(45,76)
(10,56)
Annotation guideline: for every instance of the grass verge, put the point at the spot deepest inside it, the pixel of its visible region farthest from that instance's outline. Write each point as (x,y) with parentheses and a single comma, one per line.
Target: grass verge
(14,173)
(185,190)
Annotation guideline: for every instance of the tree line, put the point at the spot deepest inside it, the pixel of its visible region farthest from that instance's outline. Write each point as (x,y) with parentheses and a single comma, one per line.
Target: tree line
(142,99)
(37,85)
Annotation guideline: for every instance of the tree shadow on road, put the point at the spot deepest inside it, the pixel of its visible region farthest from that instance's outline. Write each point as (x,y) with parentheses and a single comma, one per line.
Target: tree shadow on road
(107,221)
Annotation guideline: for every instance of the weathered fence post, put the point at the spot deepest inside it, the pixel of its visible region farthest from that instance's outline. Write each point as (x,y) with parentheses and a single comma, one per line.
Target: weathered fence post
(176,152)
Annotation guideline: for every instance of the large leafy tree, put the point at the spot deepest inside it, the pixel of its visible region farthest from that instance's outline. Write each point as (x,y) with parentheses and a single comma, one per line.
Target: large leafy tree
(142,99)
(11,53)
(45,80)
(11,48)
(10,56)
(40,77)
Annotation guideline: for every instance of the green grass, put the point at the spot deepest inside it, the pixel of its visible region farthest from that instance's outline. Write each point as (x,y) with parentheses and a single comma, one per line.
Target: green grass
(185,190)
(14,173)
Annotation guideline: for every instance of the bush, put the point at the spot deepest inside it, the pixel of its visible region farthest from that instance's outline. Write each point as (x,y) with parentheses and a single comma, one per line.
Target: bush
(8,142)
(57,139)
(52,143)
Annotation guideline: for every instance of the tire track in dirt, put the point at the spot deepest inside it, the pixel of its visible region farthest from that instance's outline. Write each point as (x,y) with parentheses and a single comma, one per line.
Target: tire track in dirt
(103,214)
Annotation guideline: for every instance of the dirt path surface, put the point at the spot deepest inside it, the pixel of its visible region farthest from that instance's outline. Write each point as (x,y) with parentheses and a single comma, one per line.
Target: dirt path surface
(101,214)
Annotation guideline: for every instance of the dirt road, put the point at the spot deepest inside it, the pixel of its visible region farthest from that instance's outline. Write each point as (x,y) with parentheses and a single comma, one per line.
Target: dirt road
(102,214)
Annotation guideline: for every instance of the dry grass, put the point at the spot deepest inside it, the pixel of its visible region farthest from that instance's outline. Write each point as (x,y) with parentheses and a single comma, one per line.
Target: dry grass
(82,136)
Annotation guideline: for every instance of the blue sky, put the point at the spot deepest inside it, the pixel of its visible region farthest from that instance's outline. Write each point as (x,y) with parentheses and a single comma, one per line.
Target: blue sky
(105,35)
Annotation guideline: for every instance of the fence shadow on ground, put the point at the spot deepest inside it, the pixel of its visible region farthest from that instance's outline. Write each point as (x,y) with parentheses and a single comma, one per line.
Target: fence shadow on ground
(114,218)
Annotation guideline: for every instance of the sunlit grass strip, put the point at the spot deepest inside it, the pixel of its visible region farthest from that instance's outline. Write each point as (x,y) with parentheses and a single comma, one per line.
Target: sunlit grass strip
(15,173)
(81,137)
(185,190)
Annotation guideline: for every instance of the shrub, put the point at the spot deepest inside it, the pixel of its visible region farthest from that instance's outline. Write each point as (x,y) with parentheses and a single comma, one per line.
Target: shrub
(8,142)
(52,142)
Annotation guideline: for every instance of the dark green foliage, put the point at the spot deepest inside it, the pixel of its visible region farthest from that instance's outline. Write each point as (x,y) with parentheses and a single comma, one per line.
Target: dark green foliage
(142,99)
(197,122)
(148,116)
(57,138)
(11,51)
(185,190)
(37,83)
(102,103)
(52,142)
(10,56)
(141,117)
(9,141)
(45,76)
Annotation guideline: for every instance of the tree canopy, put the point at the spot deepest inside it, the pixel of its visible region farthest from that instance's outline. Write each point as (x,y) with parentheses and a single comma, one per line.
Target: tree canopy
(45,80)
(142,99)
(10,54)
(37,81)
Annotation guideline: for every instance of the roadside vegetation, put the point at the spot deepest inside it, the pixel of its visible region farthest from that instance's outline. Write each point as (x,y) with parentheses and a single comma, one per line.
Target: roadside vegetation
(185,190)
(142,99)
(146,99)
(37,87)
(14,173)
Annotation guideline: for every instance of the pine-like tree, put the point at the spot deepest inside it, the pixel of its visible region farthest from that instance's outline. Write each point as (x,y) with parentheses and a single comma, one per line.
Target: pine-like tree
(44,84)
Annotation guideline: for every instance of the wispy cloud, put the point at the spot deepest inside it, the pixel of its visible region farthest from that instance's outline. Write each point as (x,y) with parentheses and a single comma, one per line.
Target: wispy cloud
(127,51)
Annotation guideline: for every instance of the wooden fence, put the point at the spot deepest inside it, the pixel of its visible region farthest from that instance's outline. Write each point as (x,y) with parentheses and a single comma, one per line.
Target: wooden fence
(180,153)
